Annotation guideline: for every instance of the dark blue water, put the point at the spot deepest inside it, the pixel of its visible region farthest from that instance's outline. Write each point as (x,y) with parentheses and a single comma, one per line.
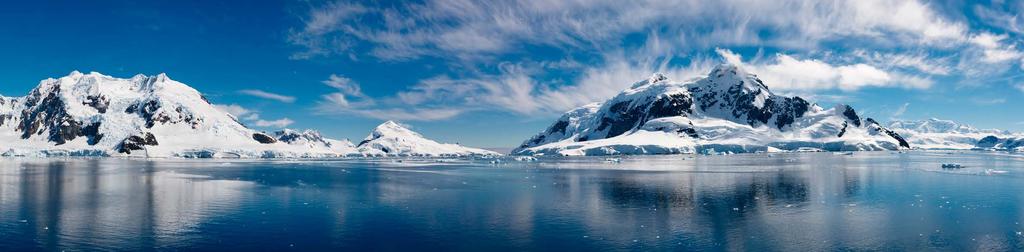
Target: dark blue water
(810,201)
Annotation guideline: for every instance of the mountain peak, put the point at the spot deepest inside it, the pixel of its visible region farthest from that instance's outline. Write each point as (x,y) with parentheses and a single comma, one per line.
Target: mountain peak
(657,77)
(729,109)
(391,138)
(390,123)
(728,75)
(392,129)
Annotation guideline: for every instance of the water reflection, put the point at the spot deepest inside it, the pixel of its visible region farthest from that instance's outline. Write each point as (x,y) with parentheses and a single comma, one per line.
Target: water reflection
(816,201)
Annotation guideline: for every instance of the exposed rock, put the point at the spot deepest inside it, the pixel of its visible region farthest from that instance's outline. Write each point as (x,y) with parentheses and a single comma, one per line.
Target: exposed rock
(988,142)
(851,115)
(99,102)
(894,135)
(263,138)
(133,143)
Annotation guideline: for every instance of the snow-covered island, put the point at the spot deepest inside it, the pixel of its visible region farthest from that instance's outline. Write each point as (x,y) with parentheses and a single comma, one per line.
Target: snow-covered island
(728,111)
(155,116)
(733,111)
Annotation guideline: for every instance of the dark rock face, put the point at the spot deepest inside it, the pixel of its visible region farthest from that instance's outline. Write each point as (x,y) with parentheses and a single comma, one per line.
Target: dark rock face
(843,130)
(741,104)
(263,138)
(988,142)
(625,116)
(787,110)
(1004,144)
(99,102)
(147,111)
(289,136)
(133,143)
(559,127)
(849,113)
(49,115)
(690,132)
(151,112)
(621,117)
(894,135)
(361,143)
(1013,144)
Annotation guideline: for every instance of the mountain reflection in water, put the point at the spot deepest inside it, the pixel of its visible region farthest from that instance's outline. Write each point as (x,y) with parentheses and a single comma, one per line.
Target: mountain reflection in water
(799,201)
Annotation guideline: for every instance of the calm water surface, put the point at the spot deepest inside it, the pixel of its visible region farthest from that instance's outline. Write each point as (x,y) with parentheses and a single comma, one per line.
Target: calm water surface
(779,202)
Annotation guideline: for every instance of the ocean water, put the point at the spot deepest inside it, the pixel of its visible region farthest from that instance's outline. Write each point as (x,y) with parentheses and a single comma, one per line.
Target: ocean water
(761,202)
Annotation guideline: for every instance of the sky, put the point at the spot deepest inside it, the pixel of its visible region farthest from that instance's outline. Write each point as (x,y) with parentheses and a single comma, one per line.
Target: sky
(493,73)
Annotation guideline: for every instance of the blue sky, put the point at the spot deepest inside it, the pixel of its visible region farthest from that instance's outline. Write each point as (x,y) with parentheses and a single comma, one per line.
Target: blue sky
(492,73)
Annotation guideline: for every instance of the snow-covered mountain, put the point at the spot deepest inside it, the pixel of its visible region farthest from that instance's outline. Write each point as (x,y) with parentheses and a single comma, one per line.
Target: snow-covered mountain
(393,139)
(153,116)
(315,142)
(730,110)
(944,134)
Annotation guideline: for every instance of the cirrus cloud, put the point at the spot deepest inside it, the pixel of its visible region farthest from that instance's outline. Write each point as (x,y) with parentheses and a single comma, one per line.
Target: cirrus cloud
(267,95)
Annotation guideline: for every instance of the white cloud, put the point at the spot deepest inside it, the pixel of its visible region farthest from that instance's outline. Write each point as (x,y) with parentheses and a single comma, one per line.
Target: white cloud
(988,100)
(279,123)
(1019,87)
(468,29)
(899,44)
(515,89)
(786,72)
(899,112)
(994,50)
(1006,17)
(242,113)
(267,95)
(233,110)
(349,99)
(336,99)
(344,85)
(918,61)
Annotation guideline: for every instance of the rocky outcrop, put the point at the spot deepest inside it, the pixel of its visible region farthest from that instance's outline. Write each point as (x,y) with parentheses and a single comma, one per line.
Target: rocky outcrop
(1003,144)
(134,143)
(263,138)
(46,114)
(878,127)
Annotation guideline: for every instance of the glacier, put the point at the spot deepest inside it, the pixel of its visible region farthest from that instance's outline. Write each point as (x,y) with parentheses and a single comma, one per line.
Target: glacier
(728,111)
(154,116)
(938,134)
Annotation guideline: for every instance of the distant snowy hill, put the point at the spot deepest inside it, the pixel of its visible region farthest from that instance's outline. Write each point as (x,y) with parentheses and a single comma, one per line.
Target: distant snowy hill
(393,139)
(944,134)
(150,116)
(730,110)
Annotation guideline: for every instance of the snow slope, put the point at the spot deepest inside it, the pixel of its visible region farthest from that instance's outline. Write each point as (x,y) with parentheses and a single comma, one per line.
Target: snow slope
(393,139)
(149,116)
(944,134)
(730,110)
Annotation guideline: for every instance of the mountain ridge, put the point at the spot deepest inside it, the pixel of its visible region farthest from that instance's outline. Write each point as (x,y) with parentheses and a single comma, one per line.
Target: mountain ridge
(729,110)
(149,116)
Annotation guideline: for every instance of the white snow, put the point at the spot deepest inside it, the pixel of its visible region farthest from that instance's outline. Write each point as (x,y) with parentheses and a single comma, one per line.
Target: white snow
(936,133)
(717,128)
(186,124)
(393,139)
